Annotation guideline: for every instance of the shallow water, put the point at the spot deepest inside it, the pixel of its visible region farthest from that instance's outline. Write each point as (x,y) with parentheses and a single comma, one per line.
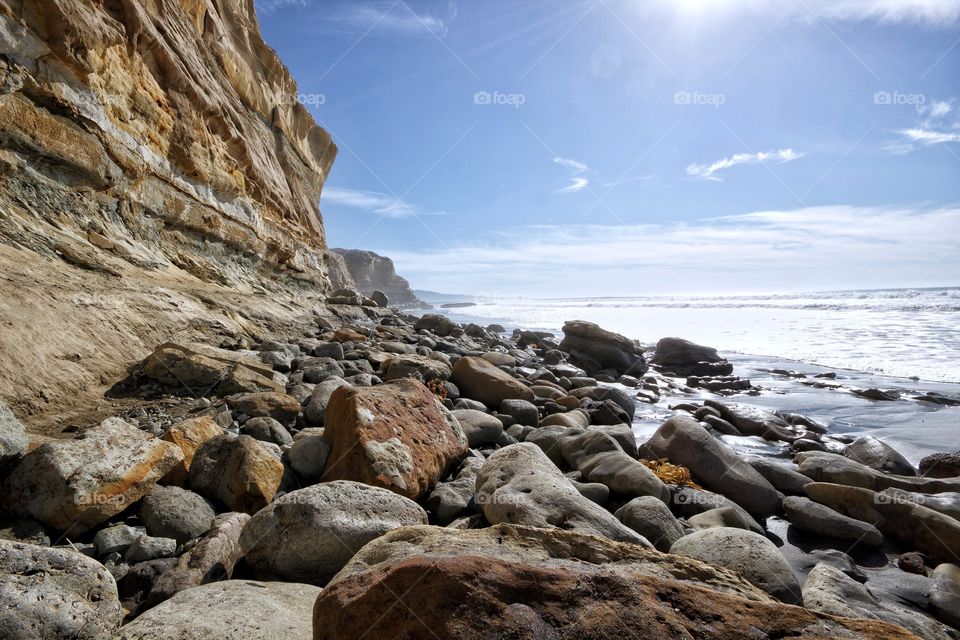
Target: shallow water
(868,338)
(895,332)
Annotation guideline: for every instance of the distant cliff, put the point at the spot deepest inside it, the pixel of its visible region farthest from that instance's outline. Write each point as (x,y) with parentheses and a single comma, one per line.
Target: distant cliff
(158,176)
(371,272)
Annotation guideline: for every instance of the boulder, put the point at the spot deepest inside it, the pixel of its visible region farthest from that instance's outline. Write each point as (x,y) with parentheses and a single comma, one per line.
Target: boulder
(714,465)
(723,517)
(479,380)
(878,455)
(575,418)
(50,593)
(13,436)
(783,477)
(240,472)
(422,368)
(751,421)
(396,435)
(116,539)
(809,516)
(945,594)
(622,399)
(941,465)
(380,298)
(823,466)
(267,429)
(828,590)
(146,548)
(315,409)
(947,502)
(684,358)
(189,435)
(920,528)
(595,348)
(211,559)
(279,406)
(524,412)
(308,535)
(539,548)
(80,483)
(229,610)
(201,370)
(479,427)
(519,484)
(172,512)
(601,459)
(460,598)
(651,518)
(449,500)
(308,456)
(750,554)
(437,324)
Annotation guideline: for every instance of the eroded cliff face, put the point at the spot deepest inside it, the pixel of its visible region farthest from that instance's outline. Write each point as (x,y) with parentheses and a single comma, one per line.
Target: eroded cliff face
(371,272)
(161,133)
(158,176)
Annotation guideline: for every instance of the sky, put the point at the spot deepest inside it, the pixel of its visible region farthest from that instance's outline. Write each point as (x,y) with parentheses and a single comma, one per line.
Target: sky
(637,147)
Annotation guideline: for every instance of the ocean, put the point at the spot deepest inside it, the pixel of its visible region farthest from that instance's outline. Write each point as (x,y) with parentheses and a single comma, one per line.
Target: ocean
(902,333)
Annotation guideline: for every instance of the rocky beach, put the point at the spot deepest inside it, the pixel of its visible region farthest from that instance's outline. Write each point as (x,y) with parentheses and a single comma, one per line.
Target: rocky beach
(212,425)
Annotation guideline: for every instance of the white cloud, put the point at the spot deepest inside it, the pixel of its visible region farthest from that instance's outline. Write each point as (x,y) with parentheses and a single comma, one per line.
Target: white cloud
(574,165)
(708,171)
(928,136)
(576,184)
(375,202)
(939,13)
(577,181)
(392,19)
(826,247)
(937,108)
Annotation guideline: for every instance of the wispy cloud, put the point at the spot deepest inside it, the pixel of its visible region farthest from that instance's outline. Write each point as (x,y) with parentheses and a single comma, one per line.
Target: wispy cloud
(387,18)
(576,184)
(374,202)
(928,136)
(939,13)
(574,165)
(766,250)
(577,180)
(708,171)
(936,127)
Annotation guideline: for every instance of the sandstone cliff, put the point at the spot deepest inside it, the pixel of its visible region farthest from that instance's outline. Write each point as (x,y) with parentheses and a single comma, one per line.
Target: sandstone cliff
(371,272)
(159,177)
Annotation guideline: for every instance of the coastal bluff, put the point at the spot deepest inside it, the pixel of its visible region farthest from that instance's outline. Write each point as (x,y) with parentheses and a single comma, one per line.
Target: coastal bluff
(160,179)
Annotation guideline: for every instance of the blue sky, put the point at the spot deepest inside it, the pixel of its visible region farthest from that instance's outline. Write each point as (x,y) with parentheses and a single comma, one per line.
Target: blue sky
(631,147)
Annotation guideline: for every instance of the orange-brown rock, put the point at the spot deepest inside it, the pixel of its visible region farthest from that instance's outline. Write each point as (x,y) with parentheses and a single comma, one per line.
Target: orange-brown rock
(239,471)
(189,435)
(469,597)
(77,484)
(479,380)
(396,435)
